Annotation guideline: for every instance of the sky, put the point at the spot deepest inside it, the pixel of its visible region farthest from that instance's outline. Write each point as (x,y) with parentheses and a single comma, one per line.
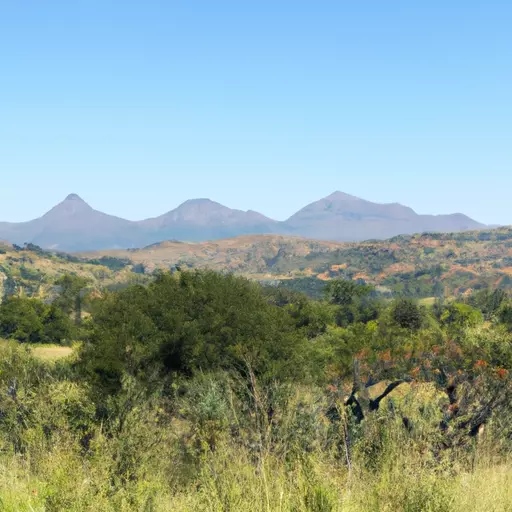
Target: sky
(266,105)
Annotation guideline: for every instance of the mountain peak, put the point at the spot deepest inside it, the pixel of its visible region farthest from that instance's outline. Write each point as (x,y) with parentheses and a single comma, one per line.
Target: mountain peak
(198,201)
(74,197)
(342,196)
(71,206)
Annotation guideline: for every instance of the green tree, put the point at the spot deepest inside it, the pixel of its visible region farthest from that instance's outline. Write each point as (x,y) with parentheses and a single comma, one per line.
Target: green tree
(57,326)
(191,321)
(311,316)
(72,290)
(488,301)
(407,314)
(21,319)
(458,316)
(30,320)
(505,315)
(356,302)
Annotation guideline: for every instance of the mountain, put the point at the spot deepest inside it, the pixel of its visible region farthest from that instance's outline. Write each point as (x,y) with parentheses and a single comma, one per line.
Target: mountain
(203,219)
(73,225)
(343,217)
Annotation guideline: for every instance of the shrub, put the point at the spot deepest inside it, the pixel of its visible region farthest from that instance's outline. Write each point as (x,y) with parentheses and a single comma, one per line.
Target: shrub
(407,314)
(30,320)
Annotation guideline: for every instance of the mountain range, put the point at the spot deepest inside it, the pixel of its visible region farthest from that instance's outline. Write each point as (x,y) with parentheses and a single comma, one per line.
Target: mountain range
(73,225)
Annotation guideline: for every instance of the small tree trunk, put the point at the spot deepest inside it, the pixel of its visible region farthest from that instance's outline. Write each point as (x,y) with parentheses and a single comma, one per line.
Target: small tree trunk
(78,309)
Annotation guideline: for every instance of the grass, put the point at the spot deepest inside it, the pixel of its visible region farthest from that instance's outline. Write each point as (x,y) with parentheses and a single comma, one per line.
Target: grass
(51,352)
(158,467)
(45,352)
(427,301)
(229,481)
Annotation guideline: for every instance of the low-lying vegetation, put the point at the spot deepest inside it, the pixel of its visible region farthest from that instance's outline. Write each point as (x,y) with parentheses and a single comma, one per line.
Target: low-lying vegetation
(204,391)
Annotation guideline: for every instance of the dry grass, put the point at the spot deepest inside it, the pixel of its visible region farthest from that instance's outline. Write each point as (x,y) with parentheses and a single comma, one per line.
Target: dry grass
(51,352)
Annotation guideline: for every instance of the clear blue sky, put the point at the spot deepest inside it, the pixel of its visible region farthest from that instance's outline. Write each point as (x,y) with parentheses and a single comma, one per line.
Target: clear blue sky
(265,105)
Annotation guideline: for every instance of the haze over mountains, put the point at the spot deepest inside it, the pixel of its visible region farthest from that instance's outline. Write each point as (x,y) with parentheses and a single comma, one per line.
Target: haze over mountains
(73,225)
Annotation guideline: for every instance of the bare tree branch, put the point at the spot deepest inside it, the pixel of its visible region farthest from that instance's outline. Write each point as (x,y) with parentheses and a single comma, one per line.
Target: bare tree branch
(375,403)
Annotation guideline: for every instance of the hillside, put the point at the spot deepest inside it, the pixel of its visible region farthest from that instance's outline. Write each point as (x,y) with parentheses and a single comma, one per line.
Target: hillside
(33,272)
(420,265)
(73,225)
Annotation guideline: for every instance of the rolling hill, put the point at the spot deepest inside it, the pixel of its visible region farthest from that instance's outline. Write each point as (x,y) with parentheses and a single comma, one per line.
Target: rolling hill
(414,265)
(425,265)
(73,225)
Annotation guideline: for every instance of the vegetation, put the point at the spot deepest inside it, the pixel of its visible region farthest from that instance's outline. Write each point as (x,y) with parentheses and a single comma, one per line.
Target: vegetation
(207,391)
(30,271)
(428,265)
(30,320)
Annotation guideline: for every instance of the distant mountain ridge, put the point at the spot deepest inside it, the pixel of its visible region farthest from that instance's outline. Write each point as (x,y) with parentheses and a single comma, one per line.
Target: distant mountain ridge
(73,225)
(347,218)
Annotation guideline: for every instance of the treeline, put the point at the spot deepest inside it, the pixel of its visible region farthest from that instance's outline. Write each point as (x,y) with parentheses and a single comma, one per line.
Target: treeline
(28,319)
(204,391)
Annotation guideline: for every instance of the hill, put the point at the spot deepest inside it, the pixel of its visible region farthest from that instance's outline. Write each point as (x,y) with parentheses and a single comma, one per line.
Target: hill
(425,265)
(33,272)
(73,225)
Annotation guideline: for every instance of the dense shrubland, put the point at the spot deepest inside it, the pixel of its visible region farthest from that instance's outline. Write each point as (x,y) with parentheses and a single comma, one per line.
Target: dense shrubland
(204,391)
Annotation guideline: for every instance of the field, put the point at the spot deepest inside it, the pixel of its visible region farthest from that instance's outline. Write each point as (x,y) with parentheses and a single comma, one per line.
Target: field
(51,352)
(45,352)
(204,391)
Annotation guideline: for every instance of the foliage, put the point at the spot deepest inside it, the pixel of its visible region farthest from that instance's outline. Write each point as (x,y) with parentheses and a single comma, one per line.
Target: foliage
(457,316)
(30,320)
(114,264)
(72,289)
(488,301)
(407,314)
(205,391)
(190,321)
(357,302)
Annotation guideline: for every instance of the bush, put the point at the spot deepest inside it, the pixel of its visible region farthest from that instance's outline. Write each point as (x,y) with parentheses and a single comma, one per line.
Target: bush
(191,321)
(30,320)
(458,316)
(407,314)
